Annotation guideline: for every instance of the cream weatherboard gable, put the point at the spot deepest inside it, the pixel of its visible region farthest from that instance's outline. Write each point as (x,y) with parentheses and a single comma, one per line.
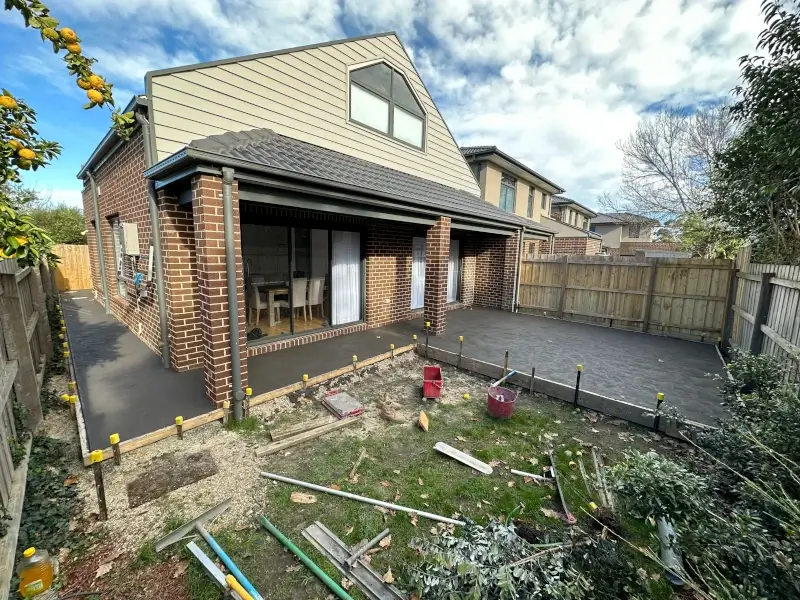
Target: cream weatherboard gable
(302,94)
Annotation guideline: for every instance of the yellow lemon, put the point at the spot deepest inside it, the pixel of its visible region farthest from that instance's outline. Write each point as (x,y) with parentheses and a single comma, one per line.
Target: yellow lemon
(84,84)
(97,82)
(24,164)
(50,33)
(68,35)
(74,48)
(26,153)
(17,133)
(21,239)
(95,96)
(7,102)
(15,144)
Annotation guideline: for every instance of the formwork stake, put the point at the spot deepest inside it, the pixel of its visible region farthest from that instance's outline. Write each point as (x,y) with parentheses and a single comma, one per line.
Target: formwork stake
(657,418)
(114,439)
(248,393)
(533,377)
(72,387)
(73,406)
(505,364)
(96,458)
(179,427)
(391,349)
(226,411)
(355,360)
(305,385)
(427,333)
(577,385)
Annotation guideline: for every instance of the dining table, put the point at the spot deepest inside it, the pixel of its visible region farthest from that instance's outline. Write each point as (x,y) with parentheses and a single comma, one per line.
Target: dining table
(272,291)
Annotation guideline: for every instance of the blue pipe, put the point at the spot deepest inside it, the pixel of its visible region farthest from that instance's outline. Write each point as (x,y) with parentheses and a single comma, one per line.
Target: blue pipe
(234,570)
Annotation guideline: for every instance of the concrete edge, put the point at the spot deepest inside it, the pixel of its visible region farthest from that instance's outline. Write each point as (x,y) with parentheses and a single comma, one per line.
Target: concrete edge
(8,545)
(633,413)
(81,423)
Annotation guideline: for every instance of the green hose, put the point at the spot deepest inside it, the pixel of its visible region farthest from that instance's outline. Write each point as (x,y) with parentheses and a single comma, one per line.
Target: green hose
(332,585)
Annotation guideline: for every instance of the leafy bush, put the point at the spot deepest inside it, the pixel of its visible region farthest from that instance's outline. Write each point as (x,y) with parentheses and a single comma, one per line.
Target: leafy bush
(650,485)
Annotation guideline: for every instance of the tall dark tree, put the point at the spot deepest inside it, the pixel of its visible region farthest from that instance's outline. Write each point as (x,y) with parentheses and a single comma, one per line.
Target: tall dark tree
(756,179)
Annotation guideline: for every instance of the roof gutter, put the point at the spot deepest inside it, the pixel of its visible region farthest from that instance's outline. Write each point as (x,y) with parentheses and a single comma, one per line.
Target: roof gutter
(155,241)
(518,164)
(188,155)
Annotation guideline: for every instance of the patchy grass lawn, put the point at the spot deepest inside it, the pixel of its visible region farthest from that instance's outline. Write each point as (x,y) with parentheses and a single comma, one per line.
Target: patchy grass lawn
(401,467)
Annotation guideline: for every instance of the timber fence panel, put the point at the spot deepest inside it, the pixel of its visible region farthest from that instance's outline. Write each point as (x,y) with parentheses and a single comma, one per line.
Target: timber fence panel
(73,271)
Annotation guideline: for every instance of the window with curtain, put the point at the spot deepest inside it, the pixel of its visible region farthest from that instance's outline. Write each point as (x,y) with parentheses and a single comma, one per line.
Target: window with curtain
(453,271)
(544,201)
(346,277)
(508,192)
(381,99)
(418,247)
(531,192)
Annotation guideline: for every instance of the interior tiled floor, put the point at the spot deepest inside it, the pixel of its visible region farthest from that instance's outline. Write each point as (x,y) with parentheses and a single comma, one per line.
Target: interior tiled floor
(283,326)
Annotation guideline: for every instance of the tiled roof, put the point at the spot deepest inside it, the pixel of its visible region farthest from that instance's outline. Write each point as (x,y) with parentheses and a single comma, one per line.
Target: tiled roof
(267,148)
(621,218)
(470,150)
(557,200)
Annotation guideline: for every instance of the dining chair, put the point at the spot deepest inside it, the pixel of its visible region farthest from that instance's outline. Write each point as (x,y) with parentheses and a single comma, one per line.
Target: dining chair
(257,303)
(299,291)
(316,295)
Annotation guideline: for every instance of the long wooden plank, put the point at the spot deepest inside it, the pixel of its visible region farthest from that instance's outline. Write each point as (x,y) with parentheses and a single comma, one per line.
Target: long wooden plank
(304,437)
(788,283)
(748,276)
(745,315)
(792,350)
(285,432)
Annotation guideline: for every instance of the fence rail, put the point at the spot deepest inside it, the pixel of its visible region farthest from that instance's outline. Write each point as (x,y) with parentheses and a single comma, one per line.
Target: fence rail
(766,312)
(25,347)
(675,297)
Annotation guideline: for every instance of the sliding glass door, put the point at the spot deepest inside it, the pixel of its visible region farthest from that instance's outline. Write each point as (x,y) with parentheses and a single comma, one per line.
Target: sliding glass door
(453,271)
(346,277)
(418,246)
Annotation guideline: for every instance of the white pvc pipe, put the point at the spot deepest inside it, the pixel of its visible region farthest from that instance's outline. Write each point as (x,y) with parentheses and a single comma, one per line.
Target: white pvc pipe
(387,505)
(538,477)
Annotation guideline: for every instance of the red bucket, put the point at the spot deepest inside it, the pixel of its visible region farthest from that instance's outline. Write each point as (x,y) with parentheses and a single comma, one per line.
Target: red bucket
(432,382)
(501,402)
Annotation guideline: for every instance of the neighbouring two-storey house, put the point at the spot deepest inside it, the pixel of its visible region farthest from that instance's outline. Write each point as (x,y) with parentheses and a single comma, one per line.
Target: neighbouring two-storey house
(517,189)
(281,198)
(624,233)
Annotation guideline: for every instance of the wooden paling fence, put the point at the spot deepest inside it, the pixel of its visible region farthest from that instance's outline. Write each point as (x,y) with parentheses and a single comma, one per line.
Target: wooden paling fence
(73,272)
(684,298)
(766,312)
(25,347)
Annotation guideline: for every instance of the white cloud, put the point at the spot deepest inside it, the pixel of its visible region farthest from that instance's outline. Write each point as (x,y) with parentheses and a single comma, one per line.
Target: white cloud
(70,197)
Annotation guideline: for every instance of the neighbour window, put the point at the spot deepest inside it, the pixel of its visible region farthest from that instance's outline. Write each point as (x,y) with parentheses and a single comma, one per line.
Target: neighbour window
(593,228)
(587,223)
(531,192)
(508,192)
(633,230)
(544,201)
(381,99)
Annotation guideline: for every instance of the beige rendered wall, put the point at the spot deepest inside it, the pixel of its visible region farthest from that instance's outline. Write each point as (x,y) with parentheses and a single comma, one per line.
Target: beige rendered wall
(491,191)
(303,95)
(612,234)
(490,188)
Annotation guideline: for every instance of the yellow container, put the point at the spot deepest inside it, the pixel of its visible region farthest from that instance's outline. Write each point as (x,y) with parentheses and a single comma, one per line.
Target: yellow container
(35,572)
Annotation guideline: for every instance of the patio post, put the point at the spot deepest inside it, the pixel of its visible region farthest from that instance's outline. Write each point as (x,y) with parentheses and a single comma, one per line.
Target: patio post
(437,253)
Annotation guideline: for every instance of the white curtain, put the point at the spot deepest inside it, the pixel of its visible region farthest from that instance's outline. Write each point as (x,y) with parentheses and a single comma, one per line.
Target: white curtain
(453,272)
(418,273)
(346,277)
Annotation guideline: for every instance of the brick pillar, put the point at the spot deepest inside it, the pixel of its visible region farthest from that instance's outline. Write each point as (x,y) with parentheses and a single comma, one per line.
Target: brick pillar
(468,267)
(510,262)
(212,287)
(180,283)
(436,260)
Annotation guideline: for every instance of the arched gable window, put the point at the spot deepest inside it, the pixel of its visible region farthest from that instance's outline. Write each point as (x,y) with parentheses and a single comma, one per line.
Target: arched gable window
(381,100)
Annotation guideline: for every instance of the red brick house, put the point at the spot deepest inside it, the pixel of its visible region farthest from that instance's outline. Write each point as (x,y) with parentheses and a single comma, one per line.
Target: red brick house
(297,195)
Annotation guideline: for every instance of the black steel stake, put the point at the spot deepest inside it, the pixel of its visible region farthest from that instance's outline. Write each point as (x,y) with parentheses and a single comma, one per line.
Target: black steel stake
(659,402)
(533,378)
(577,386)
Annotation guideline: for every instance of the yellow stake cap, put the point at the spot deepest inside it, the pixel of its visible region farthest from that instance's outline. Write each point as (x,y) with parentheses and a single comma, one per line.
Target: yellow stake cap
(65,344)
(96,456)
(305,376)
(178,420)
(461,338)
(391,346)
(61,336)
(580,367)
(414,337)
(65,397)
(248,391)
(73,399)
(226,404)
(427,323)
(355,358)
(62,322)
(466,396)
(114,438)
(660,395)
(66,353)
(29,552)
(592,506)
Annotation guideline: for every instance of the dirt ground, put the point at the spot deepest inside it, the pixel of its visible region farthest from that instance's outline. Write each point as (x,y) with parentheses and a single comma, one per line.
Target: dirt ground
(401,467)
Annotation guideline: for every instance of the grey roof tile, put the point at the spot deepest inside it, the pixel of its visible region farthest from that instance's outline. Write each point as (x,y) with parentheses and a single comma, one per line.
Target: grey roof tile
(620,218)
(267,148)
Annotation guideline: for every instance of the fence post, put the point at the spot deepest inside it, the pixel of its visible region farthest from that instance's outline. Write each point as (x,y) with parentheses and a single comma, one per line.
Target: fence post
(727,324)
(40,306)
(648,299)
(19,349)
(762,310)
(564,276)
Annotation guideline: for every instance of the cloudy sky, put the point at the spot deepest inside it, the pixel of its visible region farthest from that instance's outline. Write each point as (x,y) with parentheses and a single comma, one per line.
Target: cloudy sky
(554,83)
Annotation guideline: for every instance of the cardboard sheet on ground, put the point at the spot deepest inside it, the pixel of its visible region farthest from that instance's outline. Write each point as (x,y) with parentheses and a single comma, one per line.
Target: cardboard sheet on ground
(169,472)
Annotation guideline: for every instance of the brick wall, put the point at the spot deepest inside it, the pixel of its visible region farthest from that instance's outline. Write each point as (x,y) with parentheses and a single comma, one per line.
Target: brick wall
(388,257)
(212,291)
(488,255)
(510,265)
(123,193)
(630,248)
(437,251)
(574,245)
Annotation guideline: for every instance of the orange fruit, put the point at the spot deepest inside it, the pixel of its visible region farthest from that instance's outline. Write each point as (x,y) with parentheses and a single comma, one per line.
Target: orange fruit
(74,48)
(24,164)
(95,96)
(84,84)
(26,153)
(15,144)
(21,239)
(17,133)
(7,102)
(68,35)
(97,82)
(50,33)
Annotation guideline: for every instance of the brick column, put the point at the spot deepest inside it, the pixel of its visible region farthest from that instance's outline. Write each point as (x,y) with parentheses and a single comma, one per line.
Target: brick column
(436,260)
(468,268)
(510,263)
(212,288)
(180,283)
